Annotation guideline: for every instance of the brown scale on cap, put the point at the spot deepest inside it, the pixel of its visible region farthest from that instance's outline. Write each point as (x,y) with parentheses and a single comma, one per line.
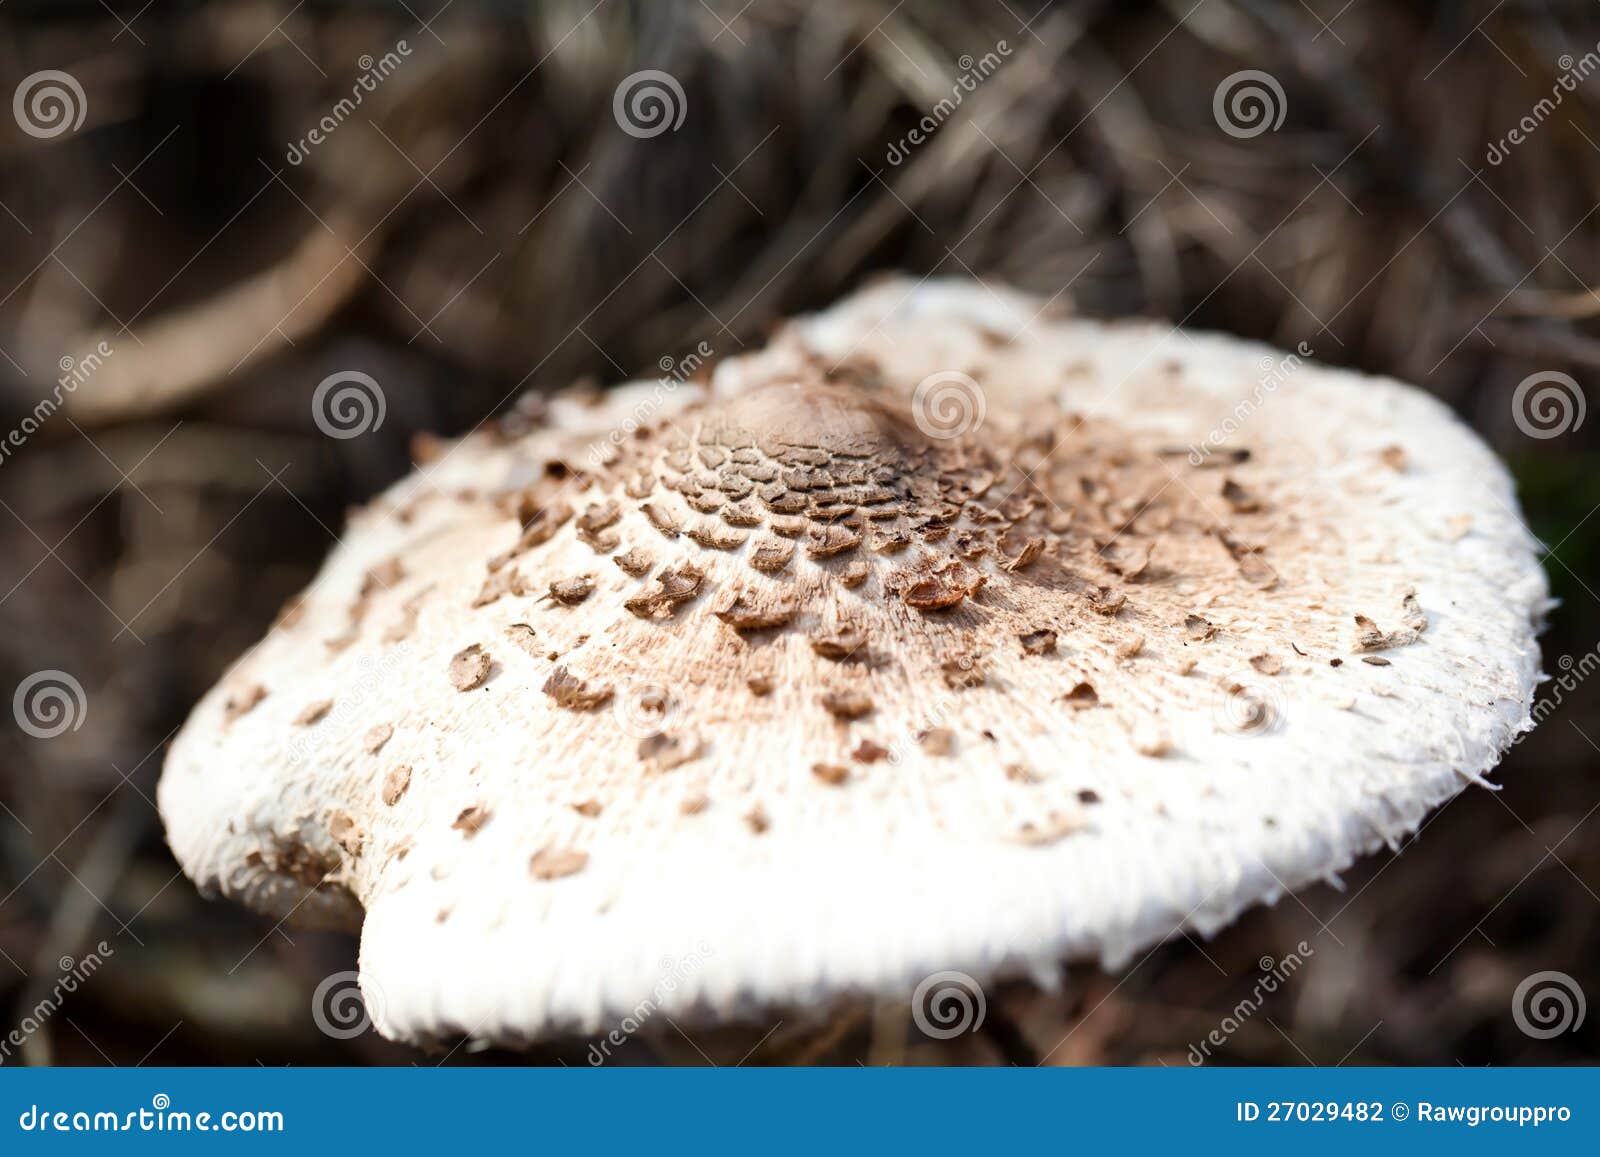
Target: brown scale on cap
(469,667)
(554,863)
(395,783)
(471,819)
(242,700)
(313,713)
(634,561)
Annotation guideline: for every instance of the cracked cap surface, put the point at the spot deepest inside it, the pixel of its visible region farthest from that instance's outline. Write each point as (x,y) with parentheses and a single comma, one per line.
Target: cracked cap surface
(944,633)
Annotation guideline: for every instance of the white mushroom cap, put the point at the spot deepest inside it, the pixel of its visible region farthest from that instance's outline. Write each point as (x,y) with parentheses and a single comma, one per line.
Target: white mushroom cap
(945,633)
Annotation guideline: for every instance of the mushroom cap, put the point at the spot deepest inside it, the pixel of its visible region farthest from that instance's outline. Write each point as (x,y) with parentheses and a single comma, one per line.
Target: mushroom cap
(945,633)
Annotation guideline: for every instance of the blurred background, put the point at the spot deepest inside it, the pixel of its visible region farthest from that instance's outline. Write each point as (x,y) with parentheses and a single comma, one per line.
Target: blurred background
(207,209)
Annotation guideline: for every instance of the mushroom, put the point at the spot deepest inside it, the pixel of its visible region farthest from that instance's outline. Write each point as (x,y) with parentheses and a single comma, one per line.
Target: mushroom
(972,536)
